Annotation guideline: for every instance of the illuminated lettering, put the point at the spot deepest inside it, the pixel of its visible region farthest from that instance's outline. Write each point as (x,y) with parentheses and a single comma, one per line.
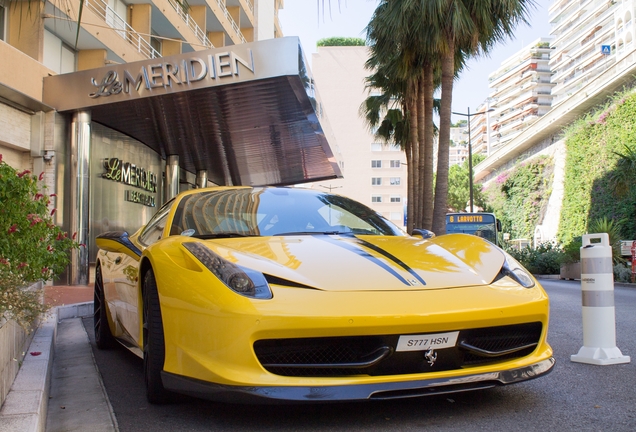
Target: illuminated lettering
(130,174)
(139,198)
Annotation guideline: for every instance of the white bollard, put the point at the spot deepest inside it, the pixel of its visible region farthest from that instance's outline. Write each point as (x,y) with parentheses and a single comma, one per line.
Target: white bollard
(597,289)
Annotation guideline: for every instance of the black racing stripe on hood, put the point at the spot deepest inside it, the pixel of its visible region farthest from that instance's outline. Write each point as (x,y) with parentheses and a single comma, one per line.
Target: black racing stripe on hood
(364,254)
(391,257)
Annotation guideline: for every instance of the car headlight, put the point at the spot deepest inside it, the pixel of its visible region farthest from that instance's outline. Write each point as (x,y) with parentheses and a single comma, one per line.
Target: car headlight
(514,270)
(241,280)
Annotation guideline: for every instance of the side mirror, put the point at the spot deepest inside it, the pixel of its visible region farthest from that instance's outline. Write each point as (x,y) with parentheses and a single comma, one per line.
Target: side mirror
(118,241)
(423,233)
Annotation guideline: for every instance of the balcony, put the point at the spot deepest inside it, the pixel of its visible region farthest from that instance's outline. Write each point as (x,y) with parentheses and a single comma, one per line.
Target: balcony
(187,18)
(127,33)
(230,25)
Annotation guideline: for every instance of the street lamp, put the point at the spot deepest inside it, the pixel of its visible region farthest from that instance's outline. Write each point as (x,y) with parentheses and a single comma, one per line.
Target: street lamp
(470,152)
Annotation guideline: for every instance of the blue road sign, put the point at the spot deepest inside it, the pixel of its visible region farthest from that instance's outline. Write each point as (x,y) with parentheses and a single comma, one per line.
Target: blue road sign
(606,49)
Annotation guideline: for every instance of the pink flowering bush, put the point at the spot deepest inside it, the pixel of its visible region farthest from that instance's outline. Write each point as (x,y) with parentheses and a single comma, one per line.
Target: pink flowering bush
(32,247)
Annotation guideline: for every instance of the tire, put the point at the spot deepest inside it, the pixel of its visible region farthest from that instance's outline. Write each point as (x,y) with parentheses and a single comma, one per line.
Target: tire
(154,343)
(104,339)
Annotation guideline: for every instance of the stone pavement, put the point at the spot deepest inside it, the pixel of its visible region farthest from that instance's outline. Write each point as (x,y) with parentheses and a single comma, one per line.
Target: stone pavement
(58,387)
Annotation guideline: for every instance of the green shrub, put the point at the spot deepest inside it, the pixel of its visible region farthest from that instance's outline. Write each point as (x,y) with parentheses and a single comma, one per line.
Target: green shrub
(622,273)
(341,41)
(32,247)
(545,259)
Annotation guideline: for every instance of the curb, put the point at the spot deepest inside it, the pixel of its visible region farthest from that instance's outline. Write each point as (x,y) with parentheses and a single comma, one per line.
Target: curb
(26,405)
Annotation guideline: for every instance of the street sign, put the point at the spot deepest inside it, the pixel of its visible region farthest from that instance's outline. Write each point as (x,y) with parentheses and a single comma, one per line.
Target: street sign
(606,49)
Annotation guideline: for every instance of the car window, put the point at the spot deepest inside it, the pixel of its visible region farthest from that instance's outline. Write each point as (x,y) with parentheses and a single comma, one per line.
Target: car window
(274,211)
(154,229)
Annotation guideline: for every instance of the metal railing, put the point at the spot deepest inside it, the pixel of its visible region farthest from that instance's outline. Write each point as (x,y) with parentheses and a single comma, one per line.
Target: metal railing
(187,18)
(122,28)
(236,28)
(250,5)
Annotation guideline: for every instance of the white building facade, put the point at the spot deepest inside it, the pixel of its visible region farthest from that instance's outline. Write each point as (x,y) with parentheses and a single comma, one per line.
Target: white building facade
(374,173)
(520,94)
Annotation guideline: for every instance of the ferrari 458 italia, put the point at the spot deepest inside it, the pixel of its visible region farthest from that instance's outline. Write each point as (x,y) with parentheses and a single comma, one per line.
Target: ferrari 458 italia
(288,294)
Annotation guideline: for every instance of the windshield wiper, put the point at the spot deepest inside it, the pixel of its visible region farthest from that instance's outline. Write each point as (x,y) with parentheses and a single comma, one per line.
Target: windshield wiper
(222,235)
(314,233)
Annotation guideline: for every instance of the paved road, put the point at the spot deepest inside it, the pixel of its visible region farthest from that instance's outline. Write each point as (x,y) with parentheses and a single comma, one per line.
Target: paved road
(573,397)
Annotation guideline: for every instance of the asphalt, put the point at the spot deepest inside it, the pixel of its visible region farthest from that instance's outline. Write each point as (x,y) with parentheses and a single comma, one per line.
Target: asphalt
(58,387)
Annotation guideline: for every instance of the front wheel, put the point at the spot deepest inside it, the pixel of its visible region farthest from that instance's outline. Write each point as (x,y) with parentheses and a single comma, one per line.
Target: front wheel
(154,343)
(104,339)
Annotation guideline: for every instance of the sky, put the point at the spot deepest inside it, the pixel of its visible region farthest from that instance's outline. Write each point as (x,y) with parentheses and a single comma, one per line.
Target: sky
(348,18)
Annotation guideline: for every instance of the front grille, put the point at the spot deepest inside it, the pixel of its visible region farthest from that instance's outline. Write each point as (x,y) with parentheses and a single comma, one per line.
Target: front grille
(376,355)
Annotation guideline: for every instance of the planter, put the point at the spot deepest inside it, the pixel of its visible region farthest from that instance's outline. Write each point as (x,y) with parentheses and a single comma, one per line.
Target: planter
(13,343)
(571,271)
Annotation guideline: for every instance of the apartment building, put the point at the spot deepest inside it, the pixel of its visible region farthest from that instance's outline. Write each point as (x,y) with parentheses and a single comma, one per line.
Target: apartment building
(374,173)
(143,100)
(458,151)
(589,37)
(520,94)
(593,56)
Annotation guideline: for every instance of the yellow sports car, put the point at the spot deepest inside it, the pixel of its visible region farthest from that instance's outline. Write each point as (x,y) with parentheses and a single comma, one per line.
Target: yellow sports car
(288,294)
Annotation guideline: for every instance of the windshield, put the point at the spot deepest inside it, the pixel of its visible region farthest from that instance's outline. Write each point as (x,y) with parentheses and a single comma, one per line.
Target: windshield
(272,212)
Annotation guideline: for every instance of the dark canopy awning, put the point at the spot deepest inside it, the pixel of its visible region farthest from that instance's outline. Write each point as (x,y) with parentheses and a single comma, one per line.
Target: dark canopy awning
(244,113)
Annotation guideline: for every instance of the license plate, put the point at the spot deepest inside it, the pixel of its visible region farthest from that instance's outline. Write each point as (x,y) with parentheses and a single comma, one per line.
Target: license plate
(426,342)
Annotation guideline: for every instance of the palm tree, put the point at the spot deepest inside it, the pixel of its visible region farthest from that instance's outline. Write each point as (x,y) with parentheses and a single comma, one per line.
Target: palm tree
(403,46)
(469,27)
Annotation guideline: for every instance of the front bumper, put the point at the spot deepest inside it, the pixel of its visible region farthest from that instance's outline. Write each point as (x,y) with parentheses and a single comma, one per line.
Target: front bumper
(375,391)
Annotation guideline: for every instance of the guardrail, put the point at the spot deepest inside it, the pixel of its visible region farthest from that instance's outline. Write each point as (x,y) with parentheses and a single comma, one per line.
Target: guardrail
(122,28)
(187,18)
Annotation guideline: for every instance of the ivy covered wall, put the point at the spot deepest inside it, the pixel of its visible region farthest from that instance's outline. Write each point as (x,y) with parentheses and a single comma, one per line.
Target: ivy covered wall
(592,167)
(519,197)
(599,183)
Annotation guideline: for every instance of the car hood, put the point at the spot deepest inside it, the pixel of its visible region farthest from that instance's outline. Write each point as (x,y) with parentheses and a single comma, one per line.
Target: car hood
(366,263)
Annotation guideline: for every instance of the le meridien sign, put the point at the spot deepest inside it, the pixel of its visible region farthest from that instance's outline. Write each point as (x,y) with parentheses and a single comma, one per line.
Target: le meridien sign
(167,74)
(132,175)
(157,77)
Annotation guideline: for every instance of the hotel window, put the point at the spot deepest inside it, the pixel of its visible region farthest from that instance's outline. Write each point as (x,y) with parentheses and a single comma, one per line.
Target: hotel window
(116,16)
(396,216)
(394,181)
(376,181)
(396,198)
(395,164)
(376,164)
(156,43)
(376,199)
(57,56)
(376,146)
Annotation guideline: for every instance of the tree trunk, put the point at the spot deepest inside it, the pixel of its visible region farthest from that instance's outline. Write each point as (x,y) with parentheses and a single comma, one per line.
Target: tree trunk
(421,132)
(415,160)
(441,184)
(428,90)
(409,188)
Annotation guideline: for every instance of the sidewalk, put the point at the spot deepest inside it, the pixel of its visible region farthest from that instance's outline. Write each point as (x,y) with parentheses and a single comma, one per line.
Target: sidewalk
(58,387)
